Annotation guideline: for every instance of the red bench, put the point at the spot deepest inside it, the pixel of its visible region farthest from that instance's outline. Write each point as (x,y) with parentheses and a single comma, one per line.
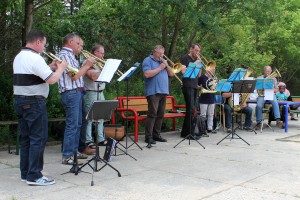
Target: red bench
(138,107)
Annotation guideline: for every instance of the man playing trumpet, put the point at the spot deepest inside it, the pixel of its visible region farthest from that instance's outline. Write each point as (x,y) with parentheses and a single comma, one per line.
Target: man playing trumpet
(94,91)
(71,89)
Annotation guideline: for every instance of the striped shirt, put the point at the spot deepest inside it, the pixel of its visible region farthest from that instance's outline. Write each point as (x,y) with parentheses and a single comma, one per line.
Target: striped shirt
(65,82)
(30,74)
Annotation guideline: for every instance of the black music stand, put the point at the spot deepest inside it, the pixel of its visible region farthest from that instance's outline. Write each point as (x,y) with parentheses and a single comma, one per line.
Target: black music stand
(242,86)
(126,77)
(101,109)
(191,72)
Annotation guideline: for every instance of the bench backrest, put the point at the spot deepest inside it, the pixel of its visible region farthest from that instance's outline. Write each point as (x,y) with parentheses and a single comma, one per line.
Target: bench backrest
(296,98)
(141,104)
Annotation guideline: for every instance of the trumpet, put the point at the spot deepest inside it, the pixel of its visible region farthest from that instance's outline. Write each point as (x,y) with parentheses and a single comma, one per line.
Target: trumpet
(73,70)
(176,68)
(99,63)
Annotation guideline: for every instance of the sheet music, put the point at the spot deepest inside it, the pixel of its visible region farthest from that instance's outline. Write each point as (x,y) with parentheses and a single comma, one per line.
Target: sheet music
(269,94)
(109,69)
(126,73)
(237,74)
(193,70)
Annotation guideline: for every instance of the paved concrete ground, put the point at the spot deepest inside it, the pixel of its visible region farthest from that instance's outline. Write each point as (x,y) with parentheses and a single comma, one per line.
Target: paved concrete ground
(267,169)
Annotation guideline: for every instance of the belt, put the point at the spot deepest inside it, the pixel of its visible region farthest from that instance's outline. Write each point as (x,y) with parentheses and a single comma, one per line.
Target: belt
(81,89)
(94,90)
(31,97)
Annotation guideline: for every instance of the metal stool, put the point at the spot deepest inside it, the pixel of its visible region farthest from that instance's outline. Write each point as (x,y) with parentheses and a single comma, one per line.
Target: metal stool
(265,114)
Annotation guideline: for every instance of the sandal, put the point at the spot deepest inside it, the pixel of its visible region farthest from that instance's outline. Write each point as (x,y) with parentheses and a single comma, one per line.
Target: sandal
(103,143)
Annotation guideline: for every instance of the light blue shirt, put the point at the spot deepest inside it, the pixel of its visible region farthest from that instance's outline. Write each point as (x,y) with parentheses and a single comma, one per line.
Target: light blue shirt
(158,84)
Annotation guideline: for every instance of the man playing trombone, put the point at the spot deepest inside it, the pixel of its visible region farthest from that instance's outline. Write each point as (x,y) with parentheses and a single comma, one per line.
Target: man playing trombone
(156,72)
(189,90)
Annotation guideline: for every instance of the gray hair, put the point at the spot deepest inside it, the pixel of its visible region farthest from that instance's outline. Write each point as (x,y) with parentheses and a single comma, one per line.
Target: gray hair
(157,47)
(69,37)
(266,67)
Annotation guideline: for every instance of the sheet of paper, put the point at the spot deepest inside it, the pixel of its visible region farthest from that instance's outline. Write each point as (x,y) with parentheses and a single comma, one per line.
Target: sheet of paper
(236,99)
(109,69)
(269,94)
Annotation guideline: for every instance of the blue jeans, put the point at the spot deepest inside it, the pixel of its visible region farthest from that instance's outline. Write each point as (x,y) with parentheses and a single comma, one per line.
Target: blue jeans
(33,126)
(260,105)
(72,102)
(247,110)
(89,98)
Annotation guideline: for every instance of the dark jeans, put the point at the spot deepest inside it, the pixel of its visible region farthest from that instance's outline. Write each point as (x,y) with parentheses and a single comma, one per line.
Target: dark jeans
(82,141)
(190,97)
(247,110)
(33,124)
(156,111)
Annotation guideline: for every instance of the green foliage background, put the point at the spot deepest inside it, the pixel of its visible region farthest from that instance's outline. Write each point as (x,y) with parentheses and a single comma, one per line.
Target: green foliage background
(233,33)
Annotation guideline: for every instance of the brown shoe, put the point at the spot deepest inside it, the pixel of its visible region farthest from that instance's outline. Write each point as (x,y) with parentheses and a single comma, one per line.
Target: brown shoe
(88,151)
(279,122)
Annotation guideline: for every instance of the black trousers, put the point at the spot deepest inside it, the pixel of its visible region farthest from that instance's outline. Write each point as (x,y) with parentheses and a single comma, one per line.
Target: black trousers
(190,97)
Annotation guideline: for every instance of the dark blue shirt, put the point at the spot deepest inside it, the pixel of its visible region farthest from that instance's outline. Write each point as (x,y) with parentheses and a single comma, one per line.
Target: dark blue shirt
(205,98)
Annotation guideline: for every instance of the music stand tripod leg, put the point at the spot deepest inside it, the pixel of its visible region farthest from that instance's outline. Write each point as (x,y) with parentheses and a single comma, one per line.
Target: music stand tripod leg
(125,147)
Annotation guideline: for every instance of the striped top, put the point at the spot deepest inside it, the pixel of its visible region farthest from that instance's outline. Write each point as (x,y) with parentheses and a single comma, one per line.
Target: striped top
(65,82)
(30,74)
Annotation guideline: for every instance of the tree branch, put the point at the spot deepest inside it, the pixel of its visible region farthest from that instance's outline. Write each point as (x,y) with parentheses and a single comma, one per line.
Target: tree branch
(37,6)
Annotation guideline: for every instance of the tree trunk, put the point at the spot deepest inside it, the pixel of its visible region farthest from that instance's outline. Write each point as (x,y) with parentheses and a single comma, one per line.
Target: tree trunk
(27,20)
(177,26)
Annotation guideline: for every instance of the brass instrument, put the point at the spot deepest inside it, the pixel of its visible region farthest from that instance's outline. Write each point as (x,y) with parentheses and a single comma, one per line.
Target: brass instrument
(274,74)
(243,96)
(213,81)
(73,70)
(176,68)
(99,63)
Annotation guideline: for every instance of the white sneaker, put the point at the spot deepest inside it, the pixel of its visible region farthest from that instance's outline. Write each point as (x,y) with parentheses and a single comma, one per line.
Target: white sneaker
(43,181)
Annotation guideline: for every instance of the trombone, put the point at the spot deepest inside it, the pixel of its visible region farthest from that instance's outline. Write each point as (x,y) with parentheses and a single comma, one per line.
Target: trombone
(73,70)
(99,63)
(176,68)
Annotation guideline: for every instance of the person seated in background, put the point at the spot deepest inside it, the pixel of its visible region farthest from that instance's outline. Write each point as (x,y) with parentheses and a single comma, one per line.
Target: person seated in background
(244,109)
(289,98)
(282,96)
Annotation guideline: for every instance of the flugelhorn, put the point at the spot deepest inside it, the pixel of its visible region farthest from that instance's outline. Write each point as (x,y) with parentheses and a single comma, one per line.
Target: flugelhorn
(98,61)
(73,70)
(176,68)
